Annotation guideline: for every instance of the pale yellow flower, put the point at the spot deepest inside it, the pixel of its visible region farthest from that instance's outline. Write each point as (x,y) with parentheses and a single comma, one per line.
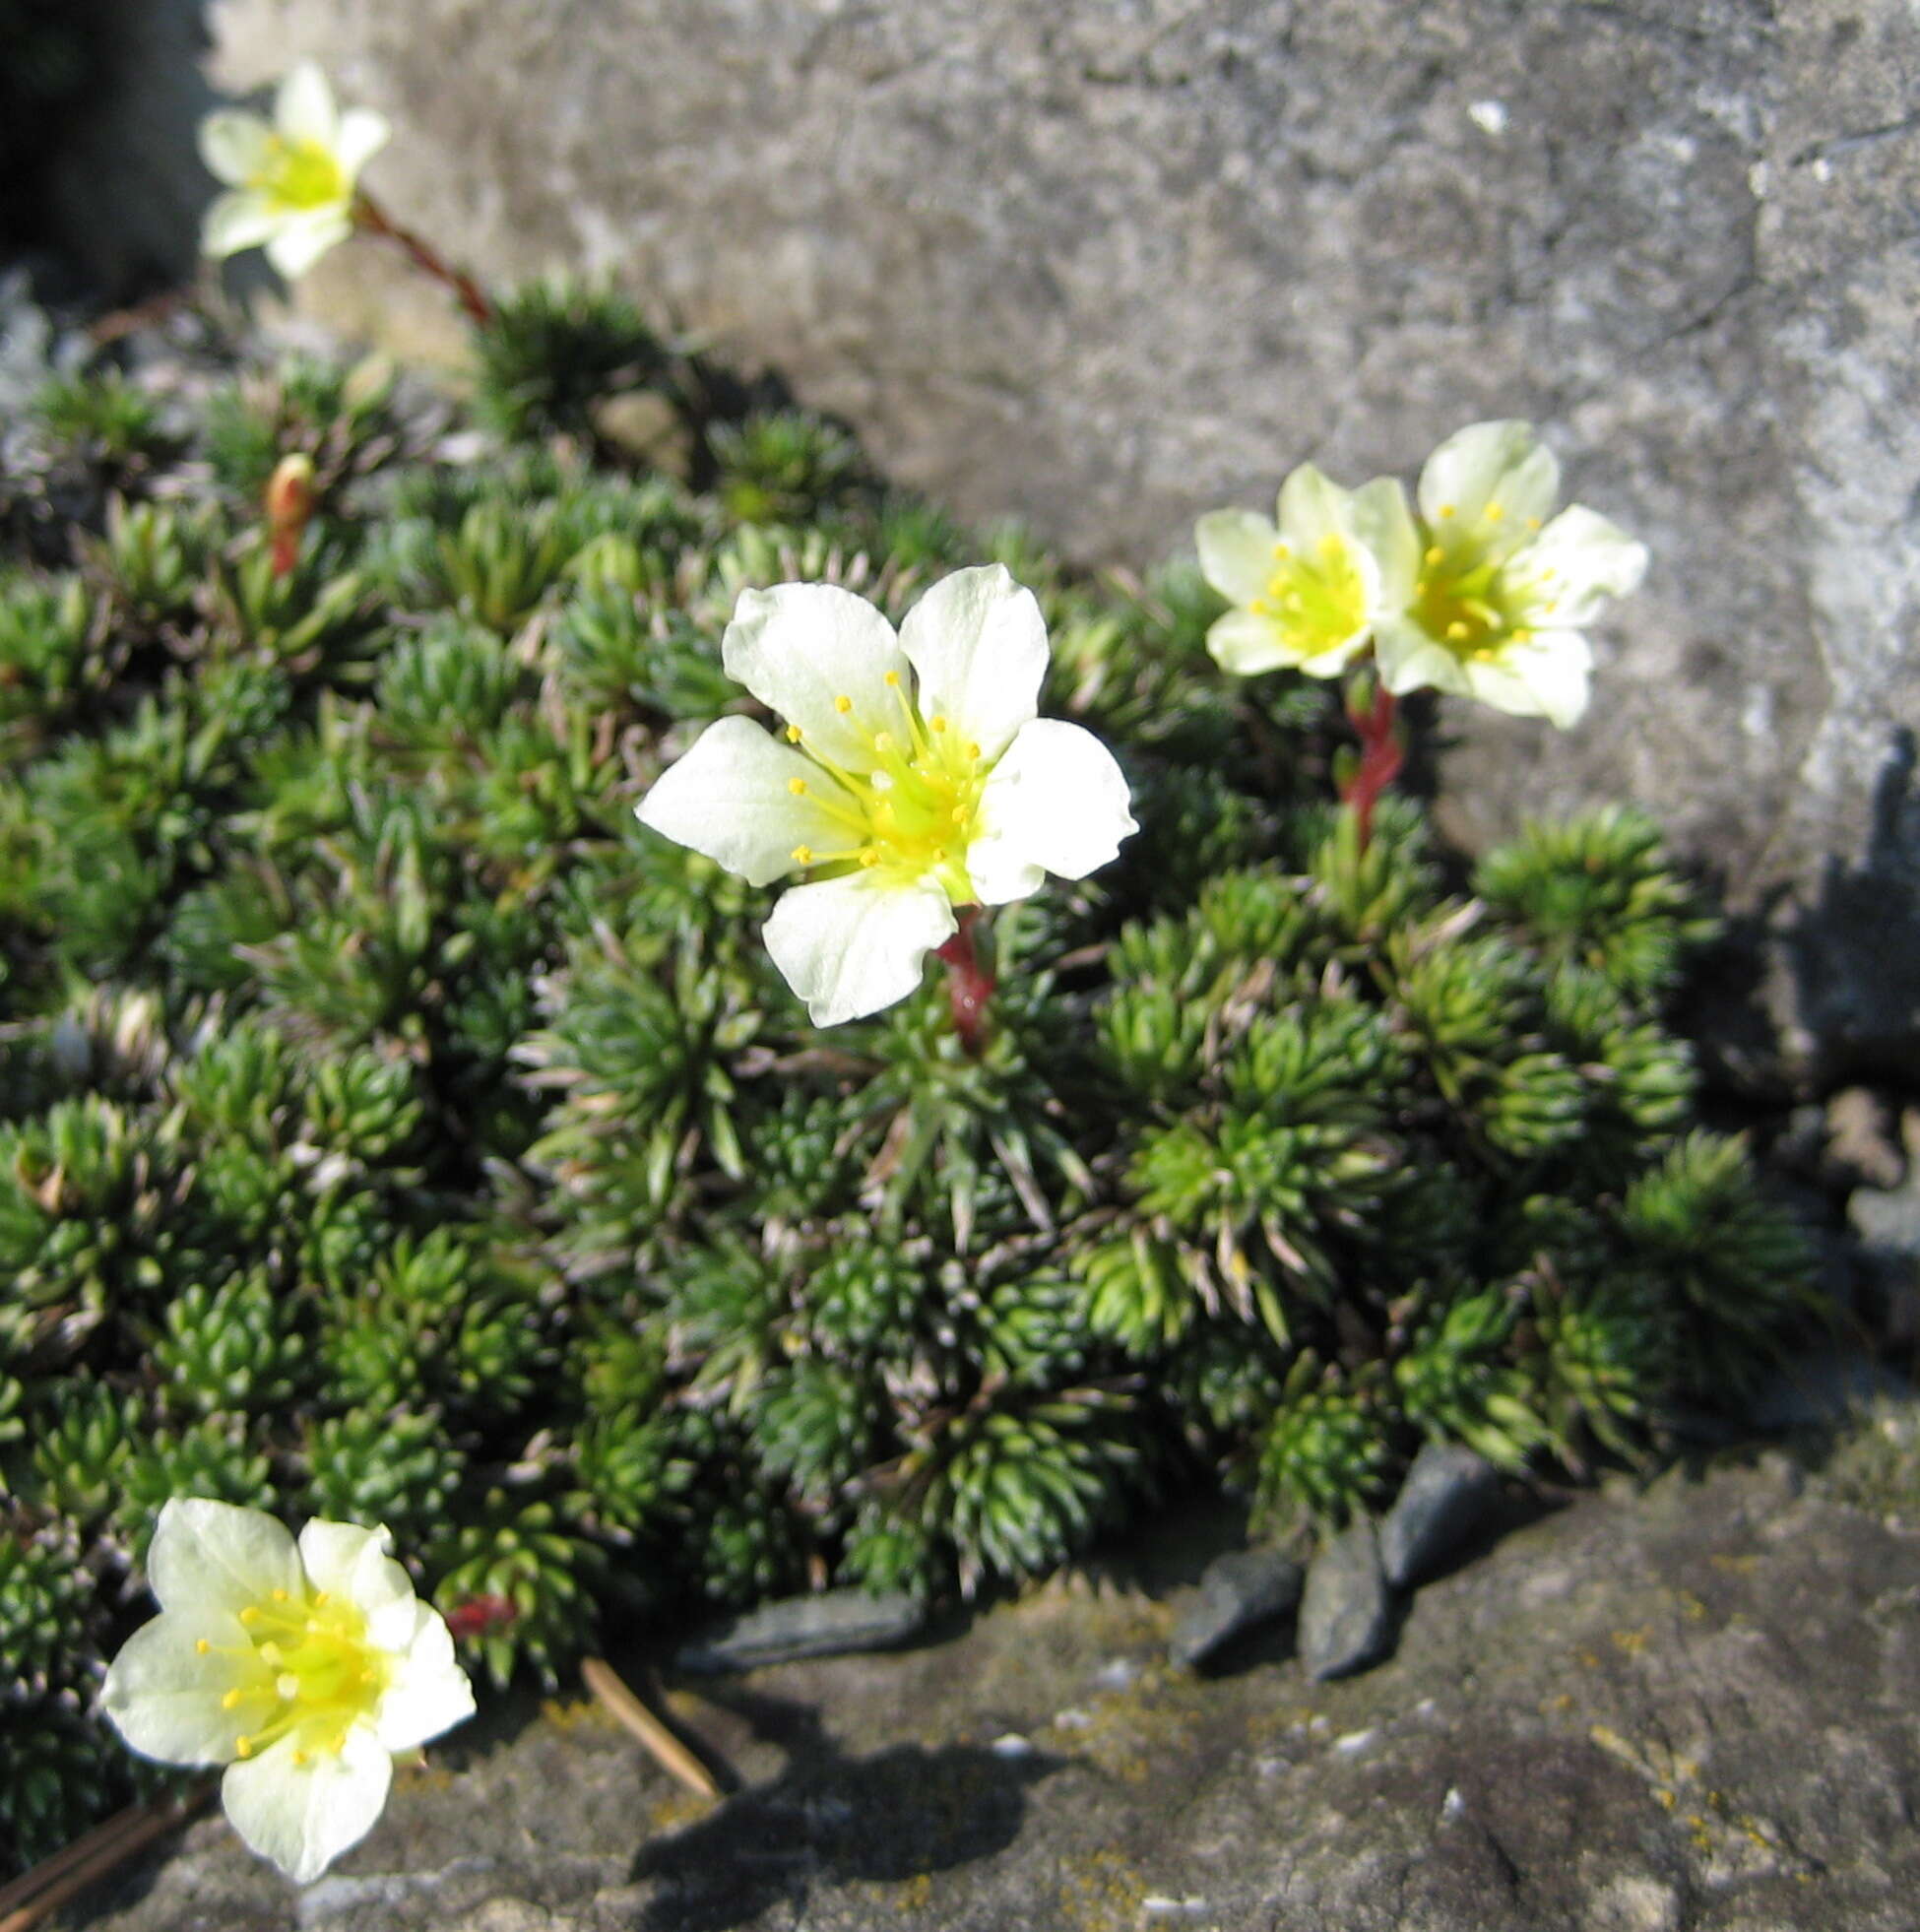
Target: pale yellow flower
(291,183)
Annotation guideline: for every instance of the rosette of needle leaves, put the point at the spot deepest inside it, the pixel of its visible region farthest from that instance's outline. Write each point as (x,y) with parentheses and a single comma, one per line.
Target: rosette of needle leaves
(340,417)
(54,656)
(782,466)
(554,348)
(97,420)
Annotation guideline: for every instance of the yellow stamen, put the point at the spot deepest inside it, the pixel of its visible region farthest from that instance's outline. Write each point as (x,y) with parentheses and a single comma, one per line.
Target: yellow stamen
(936,721)
(299,1757)
(802,854)
(243,1747)
(321,1598)
(1533,523)
(1283,549)
(1456,630)
(843,704)
(892,681)
(797,786)
(1493,512)
(793,738)
(230,1701)
(280,1596)
(1447,509)
(250,1615)
(870,856)
(201,1644)
(973,751)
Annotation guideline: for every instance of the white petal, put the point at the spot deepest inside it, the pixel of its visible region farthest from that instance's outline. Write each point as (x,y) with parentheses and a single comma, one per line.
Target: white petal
(1312,506)
(165,1693)
(304,1816)
(235,220)
(362,134)
(731,797)
(301,243)
(851,946)
(1411,661)
(1383,523)
(978,645)
(1236,553)
(1579,561)
(801,647)
(1246,643)
(429,1693)
(1501,466)
(1056,799)
(234,146)
(350,1562)
(1545,678)
(213,1555)
(303,108)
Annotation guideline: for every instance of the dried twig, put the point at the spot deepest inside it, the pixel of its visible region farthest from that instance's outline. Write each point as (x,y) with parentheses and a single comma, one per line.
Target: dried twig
(29,1898)
(672,1755)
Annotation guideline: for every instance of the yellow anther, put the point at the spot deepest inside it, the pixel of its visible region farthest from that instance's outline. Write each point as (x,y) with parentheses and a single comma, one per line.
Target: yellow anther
(1521,635)
(802,854)
(1551,605)
(243,1747)
(883,741)
(1456,630)
(339,1744)
(870,856)
(250,1615)
(937,723)
(1447,509)
(1493,512)
(843,704)
(1330,546)
(201,1644)
(230,1701)
(797,786)
(280,1596)
(892,681)
(793,738)
(1435,555)
(973,750)
(321,1598)
(1283,549)
(1533,523)
(299,1757)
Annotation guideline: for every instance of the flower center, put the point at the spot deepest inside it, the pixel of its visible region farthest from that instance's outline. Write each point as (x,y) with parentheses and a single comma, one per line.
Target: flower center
(1316,598)
(300,174)
(914,811)
(311,1656)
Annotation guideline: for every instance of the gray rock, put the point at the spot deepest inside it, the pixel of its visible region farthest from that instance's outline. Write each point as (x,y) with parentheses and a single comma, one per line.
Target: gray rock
(1690,1706)
(1107,265)
(1346,1615)
(1238,1593)
(1444,1499)
(819,1626)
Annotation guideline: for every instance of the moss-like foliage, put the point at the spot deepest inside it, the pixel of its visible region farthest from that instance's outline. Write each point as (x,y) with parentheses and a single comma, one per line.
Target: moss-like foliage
(392,1130)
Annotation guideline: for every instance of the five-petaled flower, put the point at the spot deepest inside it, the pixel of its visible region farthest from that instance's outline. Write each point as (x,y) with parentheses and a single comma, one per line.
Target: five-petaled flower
(1306,591)
(912,777)
(291,185)
(1497,593)
(302,1668)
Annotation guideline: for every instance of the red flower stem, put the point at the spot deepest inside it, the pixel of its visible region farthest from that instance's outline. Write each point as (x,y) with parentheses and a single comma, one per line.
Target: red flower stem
(1381,754)
(372,219)
(969,986)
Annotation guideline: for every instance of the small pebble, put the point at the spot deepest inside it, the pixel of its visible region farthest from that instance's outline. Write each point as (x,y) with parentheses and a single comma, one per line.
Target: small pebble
(1238,1593)
(1346,1615)
(1444,1499)
(819,1626)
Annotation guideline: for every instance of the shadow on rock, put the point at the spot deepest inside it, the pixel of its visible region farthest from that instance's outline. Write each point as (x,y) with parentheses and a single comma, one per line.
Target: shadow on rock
(885,1818)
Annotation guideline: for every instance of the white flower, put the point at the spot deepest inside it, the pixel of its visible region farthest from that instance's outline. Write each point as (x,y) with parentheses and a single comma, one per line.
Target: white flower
(1307,593)
(914,777)
(302,1669)
(1500,594)
(290,185)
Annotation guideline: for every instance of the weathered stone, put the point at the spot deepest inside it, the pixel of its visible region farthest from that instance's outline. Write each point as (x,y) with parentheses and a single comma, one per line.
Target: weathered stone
(1447,1495)
(1692,1706)
(817,1626)
(1862,1149)
(1346,1615)
(1239,1592)
(1109,265)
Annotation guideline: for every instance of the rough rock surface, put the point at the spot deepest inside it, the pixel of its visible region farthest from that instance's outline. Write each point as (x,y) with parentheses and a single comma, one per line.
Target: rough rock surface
(1448,1493)
(1346,1612)
(1106,264)
(1238,1592)
(1688,1709)
(833,1622)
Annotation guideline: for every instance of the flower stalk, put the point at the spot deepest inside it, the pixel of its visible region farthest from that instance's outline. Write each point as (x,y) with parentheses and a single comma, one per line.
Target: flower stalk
(969,982)
(369,217)
(1373,711)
